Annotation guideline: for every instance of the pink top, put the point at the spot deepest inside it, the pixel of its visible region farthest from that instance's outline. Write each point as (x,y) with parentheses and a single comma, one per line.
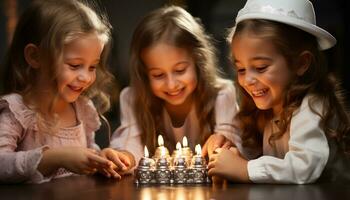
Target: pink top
(22,144)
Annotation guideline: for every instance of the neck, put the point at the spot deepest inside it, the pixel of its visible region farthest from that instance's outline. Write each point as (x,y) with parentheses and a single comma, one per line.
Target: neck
(178,113)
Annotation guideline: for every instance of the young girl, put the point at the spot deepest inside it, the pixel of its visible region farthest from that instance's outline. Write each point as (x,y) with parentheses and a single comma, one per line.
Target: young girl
(175,87)
(291,114)
(55,64)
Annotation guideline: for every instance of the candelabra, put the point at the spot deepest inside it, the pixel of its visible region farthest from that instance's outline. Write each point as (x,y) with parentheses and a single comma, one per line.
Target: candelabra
(182,167)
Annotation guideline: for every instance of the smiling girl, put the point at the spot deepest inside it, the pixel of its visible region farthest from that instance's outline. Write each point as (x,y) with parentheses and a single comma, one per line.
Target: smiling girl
(175,87)
(294,128)
(47,120)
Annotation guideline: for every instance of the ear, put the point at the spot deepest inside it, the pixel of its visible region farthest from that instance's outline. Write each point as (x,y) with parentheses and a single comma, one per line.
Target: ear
(305,60)
(32,55)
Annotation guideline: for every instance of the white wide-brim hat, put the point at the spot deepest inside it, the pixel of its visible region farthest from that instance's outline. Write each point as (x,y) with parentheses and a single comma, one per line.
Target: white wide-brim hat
(297,13)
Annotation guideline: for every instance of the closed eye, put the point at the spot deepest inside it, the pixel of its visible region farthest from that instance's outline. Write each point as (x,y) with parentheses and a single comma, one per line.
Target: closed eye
(72,66)
(180,71)
(240,71)
(261,68)
(92,68)
(157,76)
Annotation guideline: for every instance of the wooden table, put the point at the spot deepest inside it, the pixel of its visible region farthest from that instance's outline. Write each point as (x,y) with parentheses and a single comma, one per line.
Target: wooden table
(86,188)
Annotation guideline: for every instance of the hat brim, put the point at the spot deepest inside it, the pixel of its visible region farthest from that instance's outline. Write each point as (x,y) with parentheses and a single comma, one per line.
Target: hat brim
(325,39)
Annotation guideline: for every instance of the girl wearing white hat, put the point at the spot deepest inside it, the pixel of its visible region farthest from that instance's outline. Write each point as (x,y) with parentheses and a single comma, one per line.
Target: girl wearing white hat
(293,124)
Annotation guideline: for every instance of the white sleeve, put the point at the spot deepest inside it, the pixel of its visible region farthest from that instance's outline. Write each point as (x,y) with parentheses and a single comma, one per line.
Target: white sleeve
(226,108)
(307,156)
(127,136)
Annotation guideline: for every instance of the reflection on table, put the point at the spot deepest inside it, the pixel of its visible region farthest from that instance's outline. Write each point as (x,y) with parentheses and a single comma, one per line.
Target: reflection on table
(96,187)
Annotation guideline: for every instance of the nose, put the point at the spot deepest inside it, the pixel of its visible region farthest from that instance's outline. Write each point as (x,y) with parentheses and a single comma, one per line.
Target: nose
(84,76)
(250,78)
(172,82)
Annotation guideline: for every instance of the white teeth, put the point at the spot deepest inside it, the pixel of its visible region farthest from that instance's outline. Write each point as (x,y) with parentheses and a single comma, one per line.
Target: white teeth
(259,93)
(174,93)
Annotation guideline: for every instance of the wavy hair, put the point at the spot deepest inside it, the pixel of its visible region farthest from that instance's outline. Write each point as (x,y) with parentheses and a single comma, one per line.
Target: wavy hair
(50,24)
(175,26)
(316,81)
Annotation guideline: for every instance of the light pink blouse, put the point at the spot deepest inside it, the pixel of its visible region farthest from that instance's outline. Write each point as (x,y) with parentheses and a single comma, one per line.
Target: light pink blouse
(22,144)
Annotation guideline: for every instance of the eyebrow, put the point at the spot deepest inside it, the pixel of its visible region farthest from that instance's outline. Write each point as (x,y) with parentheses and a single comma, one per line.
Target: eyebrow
(176,64)
(256,58)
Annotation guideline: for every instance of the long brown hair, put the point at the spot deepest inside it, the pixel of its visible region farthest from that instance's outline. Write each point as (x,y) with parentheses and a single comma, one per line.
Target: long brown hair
(316,81)
(177,27)
(50,24)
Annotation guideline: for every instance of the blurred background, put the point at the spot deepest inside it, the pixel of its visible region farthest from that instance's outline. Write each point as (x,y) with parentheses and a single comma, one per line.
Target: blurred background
(216,15)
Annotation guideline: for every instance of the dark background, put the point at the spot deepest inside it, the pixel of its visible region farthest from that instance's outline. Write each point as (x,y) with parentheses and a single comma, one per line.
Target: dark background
(216,15)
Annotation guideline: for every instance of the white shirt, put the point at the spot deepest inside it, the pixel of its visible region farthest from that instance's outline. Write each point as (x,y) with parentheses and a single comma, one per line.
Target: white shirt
(128,135)
(299,156)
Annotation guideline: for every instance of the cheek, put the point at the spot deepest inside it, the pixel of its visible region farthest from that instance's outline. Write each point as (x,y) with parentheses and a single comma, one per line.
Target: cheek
(155,85)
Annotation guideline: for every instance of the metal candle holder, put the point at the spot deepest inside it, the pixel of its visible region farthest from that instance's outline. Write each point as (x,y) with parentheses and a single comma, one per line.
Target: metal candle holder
(172,170)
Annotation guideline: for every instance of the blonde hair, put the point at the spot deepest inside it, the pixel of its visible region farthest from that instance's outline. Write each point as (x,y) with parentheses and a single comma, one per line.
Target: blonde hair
(50,24)
(175,26)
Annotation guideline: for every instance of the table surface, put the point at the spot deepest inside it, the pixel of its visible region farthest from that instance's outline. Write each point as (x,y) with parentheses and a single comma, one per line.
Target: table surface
(95,187)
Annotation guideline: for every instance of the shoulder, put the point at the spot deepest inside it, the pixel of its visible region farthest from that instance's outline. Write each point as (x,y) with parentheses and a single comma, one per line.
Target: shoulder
(127,95)
(227,92)
(21,112)
(309,106)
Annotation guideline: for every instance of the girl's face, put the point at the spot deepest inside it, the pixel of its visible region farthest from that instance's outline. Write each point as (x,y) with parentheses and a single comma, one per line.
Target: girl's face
(172,73)
(262,71)
(78,69)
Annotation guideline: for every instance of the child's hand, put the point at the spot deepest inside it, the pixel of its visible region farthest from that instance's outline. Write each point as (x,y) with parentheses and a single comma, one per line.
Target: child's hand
(122,162)
(229,164)
(82,160)
(213,142)
(75,159)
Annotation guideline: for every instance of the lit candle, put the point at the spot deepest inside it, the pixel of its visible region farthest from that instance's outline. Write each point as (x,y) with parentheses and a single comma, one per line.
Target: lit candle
(197,159)
(198,167)
(186,151)
(177,152)
(180,167)
(161,151)
(144,171)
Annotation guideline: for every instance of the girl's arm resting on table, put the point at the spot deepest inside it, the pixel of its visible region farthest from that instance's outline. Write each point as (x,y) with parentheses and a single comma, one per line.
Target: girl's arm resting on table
(307,156)
(79,160)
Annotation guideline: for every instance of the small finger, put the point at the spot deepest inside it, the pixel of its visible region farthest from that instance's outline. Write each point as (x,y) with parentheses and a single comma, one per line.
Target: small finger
(234,150)
(96,159)
(118,163)
(217,150)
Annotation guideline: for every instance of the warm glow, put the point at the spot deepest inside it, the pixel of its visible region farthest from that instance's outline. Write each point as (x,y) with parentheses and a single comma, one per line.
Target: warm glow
(178,146)
(160,140)
(146,152)
(198,149)
(184,141)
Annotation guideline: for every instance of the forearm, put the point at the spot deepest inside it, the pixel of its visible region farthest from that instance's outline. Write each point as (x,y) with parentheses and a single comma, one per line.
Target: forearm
(50,161)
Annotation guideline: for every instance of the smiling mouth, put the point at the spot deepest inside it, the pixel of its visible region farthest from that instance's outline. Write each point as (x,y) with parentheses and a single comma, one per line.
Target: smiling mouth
(76,89)
(259,93)
(175,93)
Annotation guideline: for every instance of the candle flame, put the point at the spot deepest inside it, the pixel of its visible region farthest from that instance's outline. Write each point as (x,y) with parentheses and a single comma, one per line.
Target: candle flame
(184,141)
(198,149)
(178,146)
(160,140)
(146,152)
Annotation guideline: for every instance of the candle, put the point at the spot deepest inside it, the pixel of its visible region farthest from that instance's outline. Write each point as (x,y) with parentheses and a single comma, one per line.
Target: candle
(177,152)
(186,151)
(144,172)
(198,167)
(161,151)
